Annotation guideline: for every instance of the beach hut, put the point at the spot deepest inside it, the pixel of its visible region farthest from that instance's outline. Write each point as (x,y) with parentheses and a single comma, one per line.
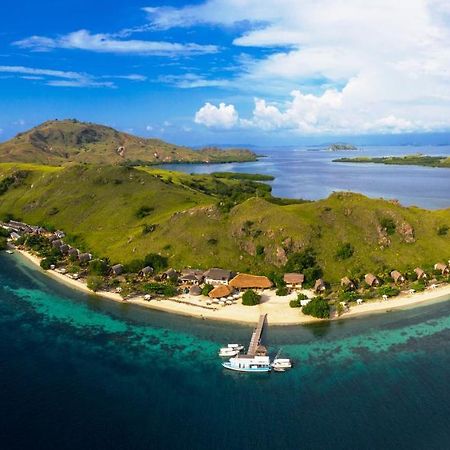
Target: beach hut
(371,280)
(397,276)
(57,243)
(116,270)
(84,257)
(73,252)
(421,275)
(246,281)
(319,285)
(217,276)
(146,271)
(191,276)
(347,283)
(294,280)
(220,291)
(64,249)
(170,274)
(195,290)
(441,267)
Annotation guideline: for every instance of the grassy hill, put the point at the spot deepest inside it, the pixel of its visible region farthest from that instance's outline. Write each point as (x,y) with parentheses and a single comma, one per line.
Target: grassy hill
(58,142)
(408,160)
(202,221)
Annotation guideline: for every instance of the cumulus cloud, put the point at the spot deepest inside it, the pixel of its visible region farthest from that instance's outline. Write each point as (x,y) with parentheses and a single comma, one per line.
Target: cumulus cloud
(108,43)
(221,117)
(356,66)
(191,81)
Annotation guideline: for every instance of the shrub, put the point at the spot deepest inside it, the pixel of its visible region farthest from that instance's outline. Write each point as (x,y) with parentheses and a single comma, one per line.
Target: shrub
(259,250)
(134,266)
(302,296)
(388,290)
(317,307)
(304,262)
(212,241)
(295,303)
(345,251)
(144,211)
(94,283)
(443,230)
(148,228)
(4,232)
(207,288)
(98,267)
(419,286)
(158,262)
(250,298)
(388,224)
(348,296)
(167,290)
(3,243)
(282,291)
(47,262)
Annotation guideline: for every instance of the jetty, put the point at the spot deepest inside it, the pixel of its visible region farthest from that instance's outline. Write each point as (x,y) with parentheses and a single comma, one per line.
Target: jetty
(256,336)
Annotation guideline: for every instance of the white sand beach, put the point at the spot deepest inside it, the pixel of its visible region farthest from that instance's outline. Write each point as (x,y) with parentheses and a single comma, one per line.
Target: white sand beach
(278,309)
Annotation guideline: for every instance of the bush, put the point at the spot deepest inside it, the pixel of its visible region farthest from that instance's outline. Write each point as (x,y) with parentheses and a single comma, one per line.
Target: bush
(47,262)
(250,298)
(388,224)
(158,262)
(302,296)
(148,228)
(348,296)
(98,267)
(144,211)
(345,251)
(212,241)
(419,286)
(3,243)
(4,232)
(167,290)
(388,290)
(207,288)
(317,307)
(94,283)
(134,266)
(282,291)
(304,262)
(295,304)
(260,250)
(443,230)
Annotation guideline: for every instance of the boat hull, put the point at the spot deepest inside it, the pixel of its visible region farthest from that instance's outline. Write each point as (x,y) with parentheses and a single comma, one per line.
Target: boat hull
(228,366)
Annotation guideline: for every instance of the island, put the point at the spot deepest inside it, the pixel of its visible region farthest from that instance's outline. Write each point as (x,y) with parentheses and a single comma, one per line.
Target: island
(337,147)
(407,160)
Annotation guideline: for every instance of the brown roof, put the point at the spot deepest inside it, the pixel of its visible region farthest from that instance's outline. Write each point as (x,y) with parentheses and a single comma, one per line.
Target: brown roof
(220,291)
(246,281)
(347,282)
(396,275)
(419,272)
(370,279)
(218,274)
(440,266)
(294,278)
(319,284)
(195,290)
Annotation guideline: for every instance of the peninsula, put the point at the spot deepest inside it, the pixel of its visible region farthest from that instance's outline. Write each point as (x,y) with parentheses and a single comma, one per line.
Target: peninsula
(408,160)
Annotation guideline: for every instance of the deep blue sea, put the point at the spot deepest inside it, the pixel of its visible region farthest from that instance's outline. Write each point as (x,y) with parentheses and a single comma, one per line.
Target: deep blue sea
(78,372)
(310,173)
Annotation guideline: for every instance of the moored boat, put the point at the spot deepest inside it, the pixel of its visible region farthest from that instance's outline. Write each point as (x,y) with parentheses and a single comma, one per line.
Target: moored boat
(248,363)
(10,252)
(231,350)
(281,364)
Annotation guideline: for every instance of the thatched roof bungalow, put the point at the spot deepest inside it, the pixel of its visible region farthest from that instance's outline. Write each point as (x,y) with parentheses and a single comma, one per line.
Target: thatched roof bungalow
(420,273)
(397,276)
(57,243)
(146,271)
(116,270)
(220,291)
(294,279)
(64,249)
(73,252)
(371,280)
(84,257)
(170,273)
(195,290)
(441,267)
(247,281)
(347,283)
(191,276)
(319,285)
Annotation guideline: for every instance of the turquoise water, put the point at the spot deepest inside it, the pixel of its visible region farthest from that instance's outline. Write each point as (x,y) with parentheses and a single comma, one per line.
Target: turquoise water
(80,372)
(312,174)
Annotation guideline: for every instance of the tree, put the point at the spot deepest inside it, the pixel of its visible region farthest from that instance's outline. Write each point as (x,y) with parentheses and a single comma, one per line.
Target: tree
(317,307)
(94,283)
(250,298)
(3,243)
(304,262)
(282,291)
(158,262)
(46,263)
(98,267)
(207,288)
(345,251)
(389,291)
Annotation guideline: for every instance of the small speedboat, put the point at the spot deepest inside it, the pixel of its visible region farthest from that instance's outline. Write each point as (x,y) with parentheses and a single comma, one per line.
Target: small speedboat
(230,350)
(10,252)
(281,364)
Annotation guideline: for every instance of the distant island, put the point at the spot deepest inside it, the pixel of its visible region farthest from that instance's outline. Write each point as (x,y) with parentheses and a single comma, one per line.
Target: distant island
(408,160)
(340,147)
(57,142)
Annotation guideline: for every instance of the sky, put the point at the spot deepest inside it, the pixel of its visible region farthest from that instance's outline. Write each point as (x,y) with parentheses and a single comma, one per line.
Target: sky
(261,72)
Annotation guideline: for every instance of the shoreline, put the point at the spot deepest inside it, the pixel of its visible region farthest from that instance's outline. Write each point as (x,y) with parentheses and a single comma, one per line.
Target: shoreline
(278,309)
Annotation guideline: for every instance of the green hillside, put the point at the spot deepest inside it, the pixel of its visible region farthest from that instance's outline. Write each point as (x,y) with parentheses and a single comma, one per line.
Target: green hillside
(408,160)
(58,142)
(202,221)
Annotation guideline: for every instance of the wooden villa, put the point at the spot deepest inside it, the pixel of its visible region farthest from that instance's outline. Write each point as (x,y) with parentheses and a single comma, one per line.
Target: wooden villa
(397,277)
(64,249)
(319,286)
(170,273)
(443,268)
(146,271)
(195,290)
(294,280)
(191,276)
(73,252)
(247,281)
(371,280)
(117,270)
(421,275)
(84,257)
(347,283)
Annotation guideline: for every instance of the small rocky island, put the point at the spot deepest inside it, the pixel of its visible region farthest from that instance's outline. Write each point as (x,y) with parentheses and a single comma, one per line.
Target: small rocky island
(339,146)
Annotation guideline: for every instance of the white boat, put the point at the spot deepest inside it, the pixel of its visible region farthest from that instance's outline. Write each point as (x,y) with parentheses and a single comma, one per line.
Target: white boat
(246,363)
(10,252)
(281,364)
(231,350)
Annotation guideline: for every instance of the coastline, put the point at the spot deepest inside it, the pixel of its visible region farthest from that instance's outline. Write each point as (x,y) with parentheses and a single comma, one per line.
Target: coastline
(278,309)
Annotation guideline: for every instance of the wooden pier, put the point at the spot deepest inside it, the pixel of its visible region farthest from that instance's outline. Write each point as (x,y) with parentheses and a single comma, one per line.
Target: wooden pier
(256,336)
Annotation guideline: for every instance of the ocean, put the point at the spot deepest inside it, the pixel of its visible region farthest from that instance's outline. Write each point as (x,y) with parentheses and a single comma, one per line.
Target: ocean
(79,372)
(311,174)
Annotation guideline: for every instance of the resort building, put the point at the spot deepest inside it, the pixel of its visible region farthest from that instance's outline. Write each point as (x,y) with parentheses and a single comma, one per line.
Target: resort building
(246,281)
(441,267)
(146,271)
(195,290)
(73,252)
(117,270)
(217,276)
(421,275)
(294,280)
(170,274)
(84,257)
(371,280)
(319,286)
(220,291)
(191,276)
(347,283)
(397,276)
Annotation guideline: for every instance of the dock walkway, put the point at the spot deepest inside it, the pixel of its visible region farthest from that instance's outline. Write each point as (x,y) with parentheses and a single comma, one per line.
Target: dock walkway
(256,336)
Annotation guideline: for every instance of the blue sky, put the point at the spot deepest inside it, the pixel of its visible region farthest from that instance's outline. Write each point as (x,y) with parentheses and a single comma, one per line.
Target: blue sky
(230,71)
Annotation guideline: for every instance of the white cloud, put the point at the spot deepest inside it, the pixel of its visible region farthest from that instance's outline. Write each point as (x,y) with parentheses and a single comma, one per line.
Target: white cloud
(191,81)
(222,117)
(61,78)
(357,66)
(107,43)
